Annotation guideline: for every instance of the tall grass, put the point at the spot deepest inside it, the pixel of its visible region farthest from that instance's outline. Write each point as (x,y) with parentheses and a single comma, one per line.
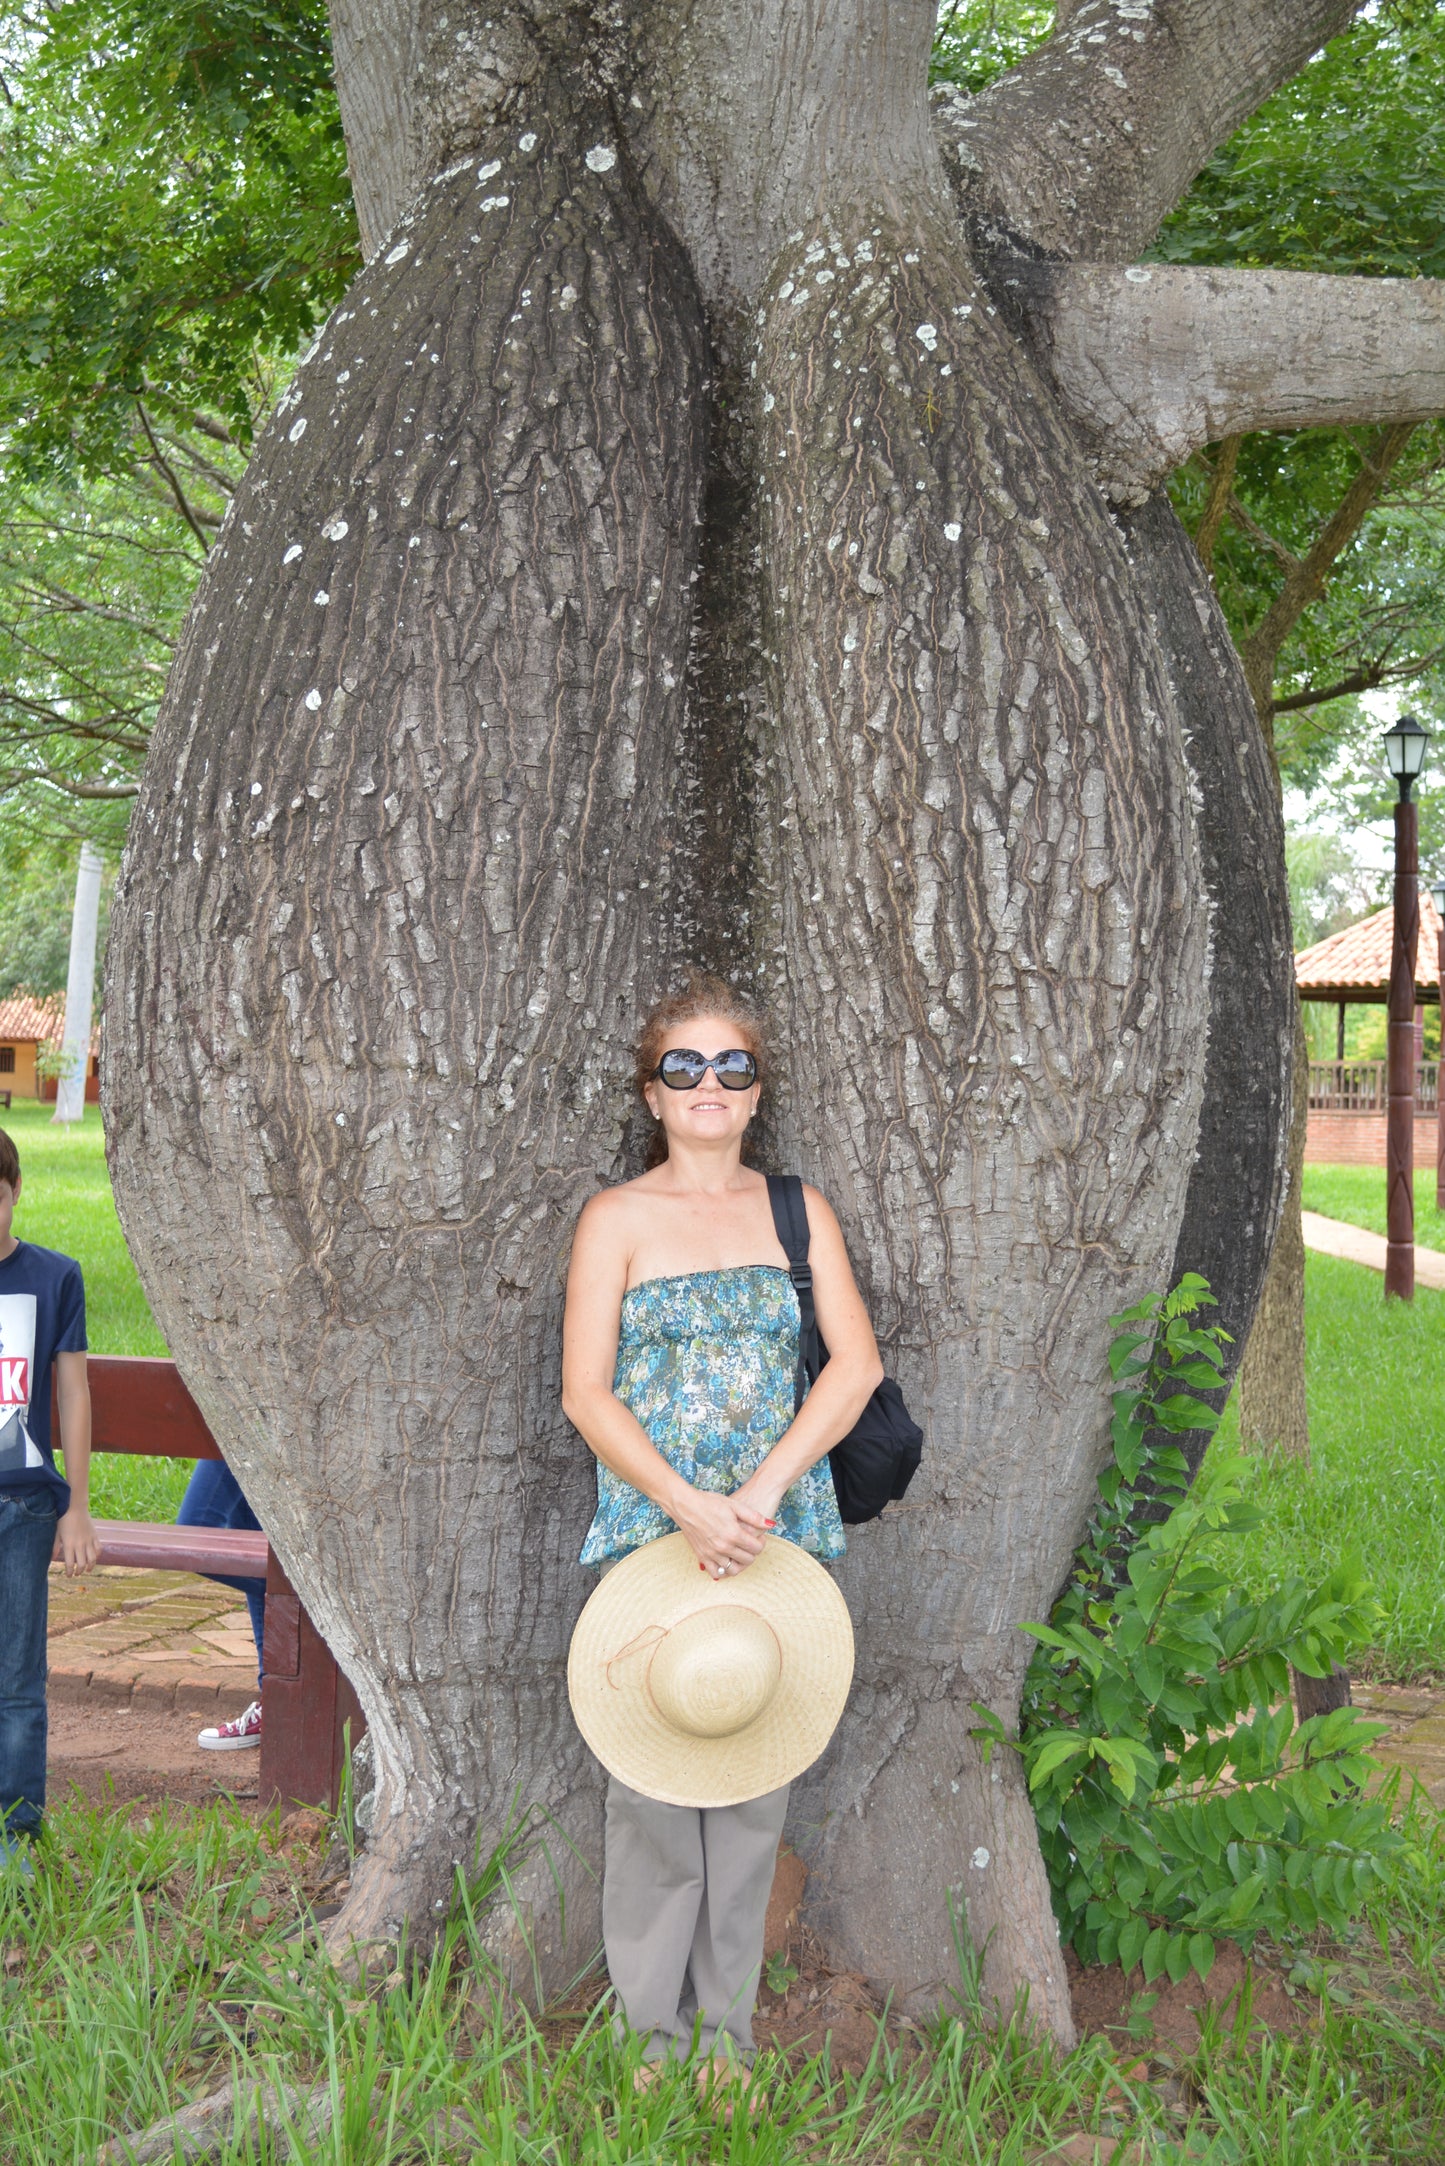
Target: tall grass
(153,1960)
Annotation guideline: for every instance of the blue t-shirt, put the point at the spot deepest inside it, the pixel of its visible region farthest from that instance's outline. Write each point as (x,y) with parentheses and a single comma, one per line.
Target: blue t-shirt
(42,1314)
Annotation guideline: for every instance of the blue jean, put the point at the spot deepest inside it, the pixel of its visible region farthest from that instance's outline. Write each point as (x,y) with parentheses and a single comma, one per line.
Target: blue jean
(27,1537)
(213,1499)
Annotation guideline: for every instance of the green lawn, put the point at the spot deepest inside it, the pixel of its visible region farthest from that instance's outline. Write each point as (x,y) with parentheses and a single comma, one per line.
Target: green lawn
(65,1203)
(1357,1195)
(1376,1477)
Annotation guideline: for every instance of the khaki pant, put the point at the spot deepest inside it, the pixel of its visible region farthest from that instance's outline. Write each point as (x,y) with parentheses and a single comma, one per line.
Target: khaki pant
(684,1896)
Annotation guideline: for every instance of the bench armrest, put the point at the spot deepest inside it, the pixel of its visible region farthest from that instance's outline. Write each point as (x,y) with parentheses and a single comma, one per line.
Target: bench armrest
(223,1550)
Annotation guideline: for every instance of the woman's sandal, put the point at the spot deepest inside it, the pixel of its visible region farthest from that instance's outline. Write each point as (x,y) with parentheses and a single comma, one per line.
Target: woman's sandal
(721,2073)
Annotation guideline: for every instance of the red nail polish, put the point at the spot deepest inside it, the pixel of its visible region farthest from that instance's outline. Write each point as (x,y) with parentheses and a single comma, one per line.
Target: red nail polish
(770,1522)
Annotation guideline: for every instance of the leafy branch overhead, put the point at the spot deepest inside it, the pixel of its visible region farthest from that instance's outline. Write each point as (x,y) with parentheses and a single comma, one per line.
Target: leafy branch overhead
(176,219)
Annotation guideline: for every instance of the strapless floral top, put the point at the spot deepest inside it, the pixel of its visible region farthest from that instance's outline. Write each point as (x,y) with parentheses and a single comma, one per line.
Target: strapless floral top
(707,1362)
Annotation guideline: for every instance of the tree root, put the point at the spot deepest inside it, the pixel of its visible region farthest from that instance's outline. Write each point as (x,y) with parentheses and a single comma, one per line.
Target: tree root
(292,2117)
(204,2129)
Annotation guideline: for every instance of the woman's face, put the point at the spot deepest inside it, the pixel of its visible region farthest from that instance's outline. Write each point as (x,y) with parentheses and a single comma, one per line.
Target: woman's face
(707,1113)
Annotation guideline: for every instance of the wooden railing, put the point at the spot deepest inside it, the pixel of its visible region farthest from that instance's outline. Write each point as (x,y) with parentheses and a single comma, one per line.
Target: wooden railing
(1360,1086)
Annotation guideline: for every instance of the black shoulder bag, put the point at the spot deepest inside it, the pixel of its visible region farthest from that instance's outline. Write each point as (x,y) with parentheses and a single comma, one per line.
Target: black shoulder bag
(875,1462)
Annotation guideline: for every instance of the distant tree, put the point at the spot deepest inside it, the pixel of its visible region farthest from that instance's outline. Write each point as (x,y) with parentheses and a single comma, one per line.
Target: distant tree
(175,217)
(36,899)
(1328,886)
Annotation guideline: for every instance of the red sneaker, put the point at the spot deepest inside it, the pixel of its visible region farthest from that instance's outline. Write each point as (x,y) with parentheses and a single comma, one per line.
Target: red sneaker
(233,1736)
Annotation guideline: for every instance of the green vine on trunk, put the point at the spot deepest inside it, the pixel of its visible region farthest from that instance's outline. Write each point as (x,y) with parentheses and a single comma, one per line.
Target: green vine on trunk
(1178,1800)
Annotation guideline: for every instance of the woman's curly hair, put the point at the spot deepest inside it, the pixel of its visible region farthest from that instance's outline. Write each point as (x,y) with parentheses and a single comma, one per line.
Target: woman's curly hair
(700,994)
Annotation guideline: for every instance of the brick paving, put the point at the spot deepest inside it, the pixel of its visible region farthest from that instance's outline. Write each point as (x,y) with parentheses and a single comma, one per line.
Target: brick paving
(1416,1738)
(150,1640)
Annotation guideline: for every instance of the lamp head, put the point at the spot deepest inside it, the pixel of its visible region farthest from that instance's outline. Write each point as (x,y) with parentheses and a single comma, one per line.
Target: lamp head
(1405,742)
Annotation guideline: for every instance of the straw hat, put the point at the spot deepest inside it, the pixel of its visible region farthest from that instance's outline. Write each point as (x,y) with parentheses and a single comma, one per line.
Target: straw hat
(710,1692)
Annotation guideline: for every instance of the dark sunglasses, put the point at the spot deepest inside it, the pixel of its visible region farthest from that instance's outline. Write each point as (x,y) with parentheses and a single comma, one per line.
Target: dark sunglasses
(681,1070)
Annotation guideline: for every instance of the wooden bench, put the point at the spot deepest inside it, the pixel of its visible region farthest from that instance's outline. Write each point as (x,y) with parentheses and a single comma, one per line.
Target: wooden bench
(142,1407)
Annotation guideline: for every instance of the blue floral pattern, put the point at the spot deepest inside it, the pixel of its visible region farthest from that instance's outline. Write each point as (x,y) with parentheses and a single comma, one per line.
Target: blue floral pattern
(707,1362)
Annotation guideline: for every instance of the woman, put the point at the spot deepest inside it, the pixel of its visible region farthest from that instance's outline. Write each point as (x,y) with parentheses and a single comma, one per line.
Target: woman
(680,1355)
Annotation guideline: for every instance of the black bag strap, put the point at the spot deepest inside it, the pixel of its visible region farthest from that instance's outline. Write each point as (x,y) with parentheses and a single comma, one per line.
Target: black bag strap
(790,1221)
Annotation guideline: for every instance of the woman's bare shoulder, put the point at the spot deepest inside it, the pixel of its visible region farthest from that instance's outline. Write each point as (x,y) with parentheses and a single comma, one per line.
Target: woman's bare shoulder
(817,1202)
(614,1207)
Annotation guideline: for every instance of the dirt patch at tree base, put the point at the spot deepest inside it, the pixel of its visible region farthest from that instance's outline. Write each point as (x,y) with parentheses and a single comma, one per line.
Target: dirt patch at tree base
(1123,2008)
(822,2005)
(805,2003)
(121,1756)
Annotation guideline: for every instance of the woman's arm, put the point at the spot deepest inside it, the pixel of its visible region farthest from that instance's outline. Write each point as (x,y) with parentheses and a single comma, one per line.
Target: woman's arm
(851,1376)
(722,1530)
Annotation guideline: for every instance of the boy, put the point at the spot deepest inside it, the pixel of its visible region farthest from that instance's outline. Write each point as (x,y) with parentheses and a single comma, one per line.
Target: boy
(42,1516)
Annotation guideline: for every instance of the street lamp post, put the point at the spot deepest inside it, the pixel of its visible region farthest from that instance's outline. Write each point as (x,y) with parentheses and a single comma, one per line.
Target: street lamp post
(1437,896)
(1405,743)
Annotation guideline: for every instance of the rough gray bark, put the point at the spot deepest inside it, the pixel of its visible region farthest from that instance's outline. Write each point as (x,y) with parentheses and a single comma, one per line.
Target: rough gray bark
(993,823)
(397,883)
(1239,1178)
(374,47)
(1085,145)
(926,753)
(1154,362)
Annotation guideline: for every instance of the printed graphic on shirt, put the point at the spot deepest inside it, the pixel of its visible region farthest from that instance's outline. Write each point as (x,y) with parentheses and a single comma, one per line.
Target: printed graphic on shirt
(17,1359)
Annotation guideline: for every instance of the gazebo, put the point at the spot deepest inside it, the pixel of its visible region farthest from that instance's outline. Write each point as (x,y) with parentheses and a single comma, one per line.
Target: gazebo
(1348,1097)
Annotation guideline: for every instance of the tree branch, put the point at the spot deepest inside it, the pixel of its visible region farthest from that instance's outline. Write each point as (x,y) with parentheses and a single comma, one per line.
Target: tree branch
(1260,650)
(1084,147)
(1272,546)
(89,789)
(1154,362)
(1366,679)
(1216,504)
(164,467)
(60,599)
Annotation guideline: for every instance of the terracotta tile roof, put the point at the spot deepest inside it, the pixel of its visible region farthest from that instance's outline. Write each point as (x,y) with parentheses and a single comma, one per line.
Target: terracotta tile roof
(23,1017)
(1355,964)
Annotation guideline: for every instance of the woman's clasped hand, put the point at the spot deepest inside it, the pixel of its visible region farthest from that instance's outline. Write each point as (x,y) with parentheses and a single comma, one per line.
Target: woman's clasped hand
(725,1534)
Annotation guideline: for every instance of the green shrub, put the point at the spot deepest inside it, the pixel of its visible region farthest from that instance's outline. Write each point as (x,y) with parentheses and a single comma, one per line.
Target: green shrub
(1178,1800)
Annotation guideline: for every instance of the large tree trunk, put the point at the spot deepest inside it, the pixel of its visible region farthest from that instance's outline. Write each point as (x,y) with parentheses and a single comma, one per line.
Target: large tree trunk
(398,881)
(994,934)
(671,546)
